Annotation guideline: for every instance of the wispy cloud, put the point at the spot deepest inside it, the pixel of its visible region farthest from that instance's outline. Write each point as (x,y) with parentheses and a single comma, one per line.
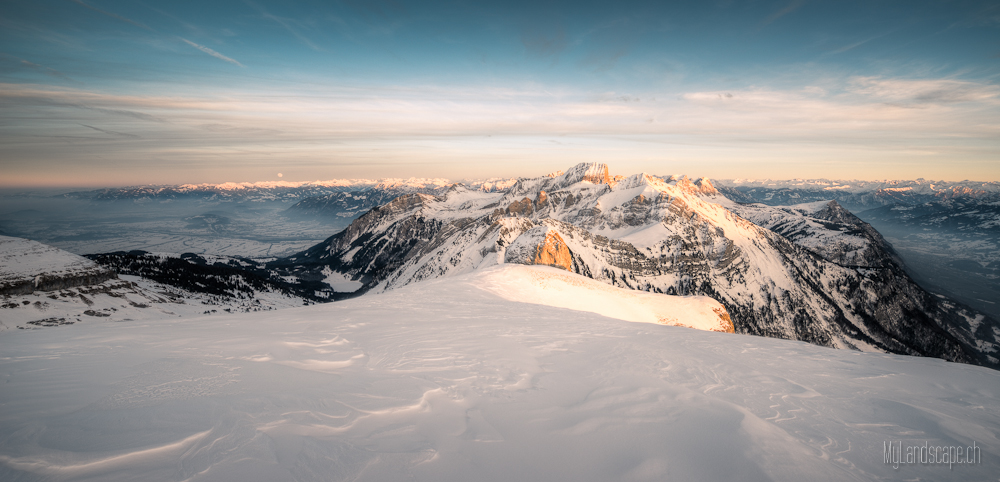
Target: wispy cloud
(211,52)
(285,23)
(113,15)
(38,33)
(853,45)
(791,7)
(230,129)
(193,28)
(21,95)
(45,70)
(120,112)
(545,42)
(40,68)
(859,43)
(925,91)
(111,133)
(866,118)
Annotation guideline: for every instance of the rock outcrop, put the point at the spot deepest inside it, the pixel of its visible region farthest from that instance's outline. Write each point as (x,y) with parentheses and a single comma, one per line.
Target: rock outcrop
(540,245)
(27,266)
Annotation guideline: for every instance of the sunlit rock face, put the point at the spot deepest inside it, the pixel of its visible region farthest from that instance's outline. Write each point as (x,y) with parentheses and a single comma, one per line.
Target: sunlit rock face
(726,321)
(595,173)
(540,245)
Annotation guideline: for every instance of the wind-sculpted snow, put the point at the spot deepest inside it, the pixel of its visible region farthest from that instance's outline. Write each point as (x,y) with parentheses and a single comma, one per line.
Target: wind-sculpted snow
(810,273)
(444,381)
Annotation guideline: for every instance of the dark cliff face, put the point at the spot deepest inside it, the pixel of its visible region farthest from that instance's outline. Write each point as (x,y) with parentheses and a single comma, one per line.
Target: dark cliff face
(818,275)
(58,282)
(27,266)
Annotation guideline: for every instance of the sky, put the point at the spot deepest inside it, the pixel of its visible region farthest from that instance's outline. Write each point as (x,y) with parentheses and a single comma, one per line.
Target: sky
(111,93)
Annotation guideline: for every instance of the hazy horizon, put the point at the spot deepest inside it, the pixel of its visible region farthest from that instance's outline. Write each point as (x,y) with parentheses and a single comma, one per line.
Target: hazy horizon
(106,93)
(285,182)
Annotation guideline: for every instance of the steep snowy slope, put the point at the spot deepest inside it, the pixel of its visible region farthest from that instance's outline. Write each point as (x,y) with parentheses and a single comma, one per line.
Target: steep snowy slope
(675,237)
(823,227)
(444,381)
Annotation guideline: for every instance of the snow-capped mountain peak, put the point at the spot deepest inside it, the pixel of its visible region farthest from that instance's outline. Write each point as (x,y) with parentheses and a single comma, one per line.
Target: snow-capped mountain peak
(593,172)
(810,272)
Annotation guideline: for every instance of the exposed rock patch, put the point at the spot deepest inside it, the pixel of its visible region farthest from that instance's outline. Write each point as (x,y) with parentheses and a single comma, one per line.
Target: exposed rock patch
(540,245)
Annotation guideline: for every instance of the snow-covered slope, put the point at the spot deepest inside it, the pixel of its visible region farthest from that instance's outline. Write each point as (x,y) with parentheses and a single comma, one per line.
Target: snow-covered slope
(42,286)
(125,299)
(676,237)
(445,381)
(26,266)
(825,228)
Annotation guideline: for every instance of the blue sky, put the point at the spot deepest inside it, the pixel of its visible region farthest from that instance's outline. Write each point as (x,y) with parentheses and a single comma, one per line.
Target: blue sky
(102,92)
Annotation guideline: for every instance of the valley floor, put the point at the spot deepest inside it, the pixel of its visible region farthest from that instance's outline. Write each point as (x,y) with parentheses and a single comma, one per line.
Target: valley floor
(443,380)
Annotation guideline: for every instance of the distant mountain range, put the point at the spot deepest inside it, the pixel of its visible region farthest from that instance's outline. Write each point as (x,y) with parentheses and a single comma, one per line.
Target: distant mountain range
(856,195)
(282,191)
(853,194)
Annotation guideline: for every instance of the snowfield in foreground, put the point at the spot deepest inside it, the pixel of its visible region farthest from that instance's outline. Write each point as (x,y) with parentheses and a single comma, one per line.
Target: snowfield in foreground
(445,380)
